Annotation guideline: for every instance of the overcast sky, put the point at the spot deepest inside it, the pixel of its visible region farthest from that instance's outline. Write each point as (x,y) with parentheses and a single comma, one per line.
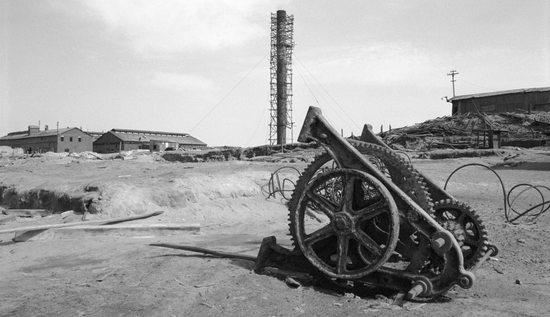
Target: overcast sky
(201,66)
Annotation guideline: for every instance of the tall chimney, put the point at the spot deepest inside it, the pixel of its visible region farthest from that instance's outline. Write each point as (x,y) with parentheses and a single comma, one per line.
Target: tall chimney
(280,78)
(282,44)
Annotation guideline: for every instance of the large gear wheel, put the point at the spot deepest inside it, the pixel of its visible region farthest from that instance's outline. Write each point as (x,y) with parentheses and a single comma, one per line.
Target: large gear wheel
(466,226)
(347,199)
(401,173)
(391,164)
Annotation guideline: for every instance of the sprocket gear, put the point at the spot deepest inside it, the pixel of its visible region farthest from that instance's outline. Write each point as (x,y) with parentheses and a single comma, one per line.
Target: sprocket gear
(466,226)
(400,171)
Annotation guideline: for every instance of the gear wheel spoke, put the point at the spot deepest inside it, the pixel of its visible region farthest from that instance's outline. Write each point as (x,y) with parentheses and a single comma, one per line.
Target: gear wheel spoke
(371,211)
(320,234)
(343,245)
(367,241)
(466,227)
(348,190)
(323,204)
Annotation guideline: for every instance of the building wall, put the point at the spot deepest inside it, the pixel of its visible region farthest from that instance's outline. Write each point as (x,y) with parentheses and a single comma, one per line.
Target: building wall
(110,143)
(158,145)
(129,146)
(74,141)
(33,145)
(107,143)
(536,101)
(191,146)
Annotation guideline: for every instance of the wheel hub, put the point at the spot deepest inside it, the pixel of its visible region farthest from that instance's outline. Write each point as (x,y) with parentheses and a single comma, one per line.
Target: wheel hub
(342,223)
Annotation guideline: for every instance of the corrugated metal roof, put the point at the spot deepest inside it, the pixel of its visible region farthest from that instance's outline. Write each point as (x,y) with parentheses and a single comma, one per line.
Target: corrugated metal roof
(147,136)
(149,132)
(19,132)
(504,92)
(40,134)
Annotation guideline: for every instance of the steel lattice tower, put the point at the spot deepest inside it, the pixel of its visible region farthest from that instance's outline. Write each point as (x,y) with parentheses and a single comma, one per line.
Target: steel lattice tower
(282,30)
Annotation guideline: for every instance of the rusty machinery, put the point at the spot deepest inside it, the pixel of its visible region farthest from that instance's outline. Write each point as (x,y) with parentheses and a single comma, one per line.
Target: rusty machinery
(361,215)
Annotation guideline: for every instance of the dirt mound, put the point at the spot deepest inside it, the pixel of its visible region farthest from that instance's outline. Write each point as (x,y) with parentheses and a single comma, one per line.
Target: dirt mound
(198,192)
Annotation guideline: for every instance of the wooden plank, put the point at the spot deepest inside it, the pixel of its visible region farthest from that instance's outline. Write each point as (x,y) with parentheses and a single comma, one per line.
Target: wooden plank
(72,224)
(127,230)
(27,212)
(135,227)
(9,218)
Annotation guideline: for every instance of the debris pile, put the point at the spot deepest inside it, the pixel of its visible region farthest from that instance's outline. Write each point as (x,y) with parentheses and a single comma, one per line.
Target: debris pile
(288,153)
(470,131)
(215,154)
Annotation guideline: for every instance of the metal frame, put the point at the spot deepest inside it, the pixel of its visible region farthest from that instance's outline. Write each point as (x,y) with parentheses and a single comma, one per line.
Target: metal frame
(316,128)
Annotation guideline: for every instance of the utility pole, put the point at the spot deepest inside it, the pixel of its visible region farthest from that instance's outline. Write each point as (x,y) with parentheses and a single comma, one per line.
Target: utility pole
(452,73)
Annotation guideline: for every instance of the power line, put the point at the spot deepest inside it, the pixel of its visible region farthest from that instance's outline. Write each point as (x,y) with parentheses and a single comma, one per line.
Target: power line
(228,93)
(258,124)
(328,94)
(309,88)
(476,85)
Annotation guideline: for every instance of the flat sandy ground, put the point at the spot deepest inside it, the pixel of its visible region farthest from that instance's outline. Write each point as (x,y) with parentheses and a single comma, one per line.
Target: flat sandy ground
(121,275)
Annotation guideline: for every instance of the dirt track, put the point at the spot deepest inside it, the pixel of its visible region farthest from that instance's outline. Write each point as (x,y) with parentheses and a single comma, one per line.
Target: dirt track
(122,275)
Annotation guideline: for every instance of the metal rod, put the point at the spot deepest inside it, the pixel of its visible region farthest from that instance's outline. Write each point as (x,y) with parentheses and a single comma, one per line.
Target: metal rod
(205,251)
(485,257)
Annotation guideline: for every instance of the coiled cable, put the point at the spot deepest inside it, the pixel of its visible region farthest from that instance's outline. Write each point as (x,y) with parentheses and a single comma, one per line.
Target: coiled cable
(510,197)
(276,184)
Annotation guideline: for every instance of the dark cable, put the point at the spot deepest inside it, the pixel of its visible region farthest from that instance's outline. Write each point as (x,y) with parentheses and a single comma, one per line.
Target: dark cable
(508,202)
(275,185)
(327,93)
(227,94)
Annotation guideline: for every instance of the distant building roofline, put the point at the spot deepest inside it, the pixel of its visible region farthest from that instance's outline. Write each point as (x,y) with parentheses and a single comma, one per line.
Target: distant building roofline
(26,132)
(39,134)
(144,136)
(148,132)
(496,93)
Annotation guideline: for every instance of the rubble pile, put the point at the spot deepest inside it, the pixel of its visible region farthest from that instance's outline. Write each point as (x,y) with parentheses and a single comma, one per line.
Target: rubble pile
(468,130)
(207,155)
(288,153)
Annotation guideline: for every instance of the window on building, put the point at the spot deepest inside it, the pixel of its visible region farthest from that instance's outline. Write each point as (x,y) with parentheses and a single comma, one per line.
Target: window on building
(62,138)
(70,139)
(79,139)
